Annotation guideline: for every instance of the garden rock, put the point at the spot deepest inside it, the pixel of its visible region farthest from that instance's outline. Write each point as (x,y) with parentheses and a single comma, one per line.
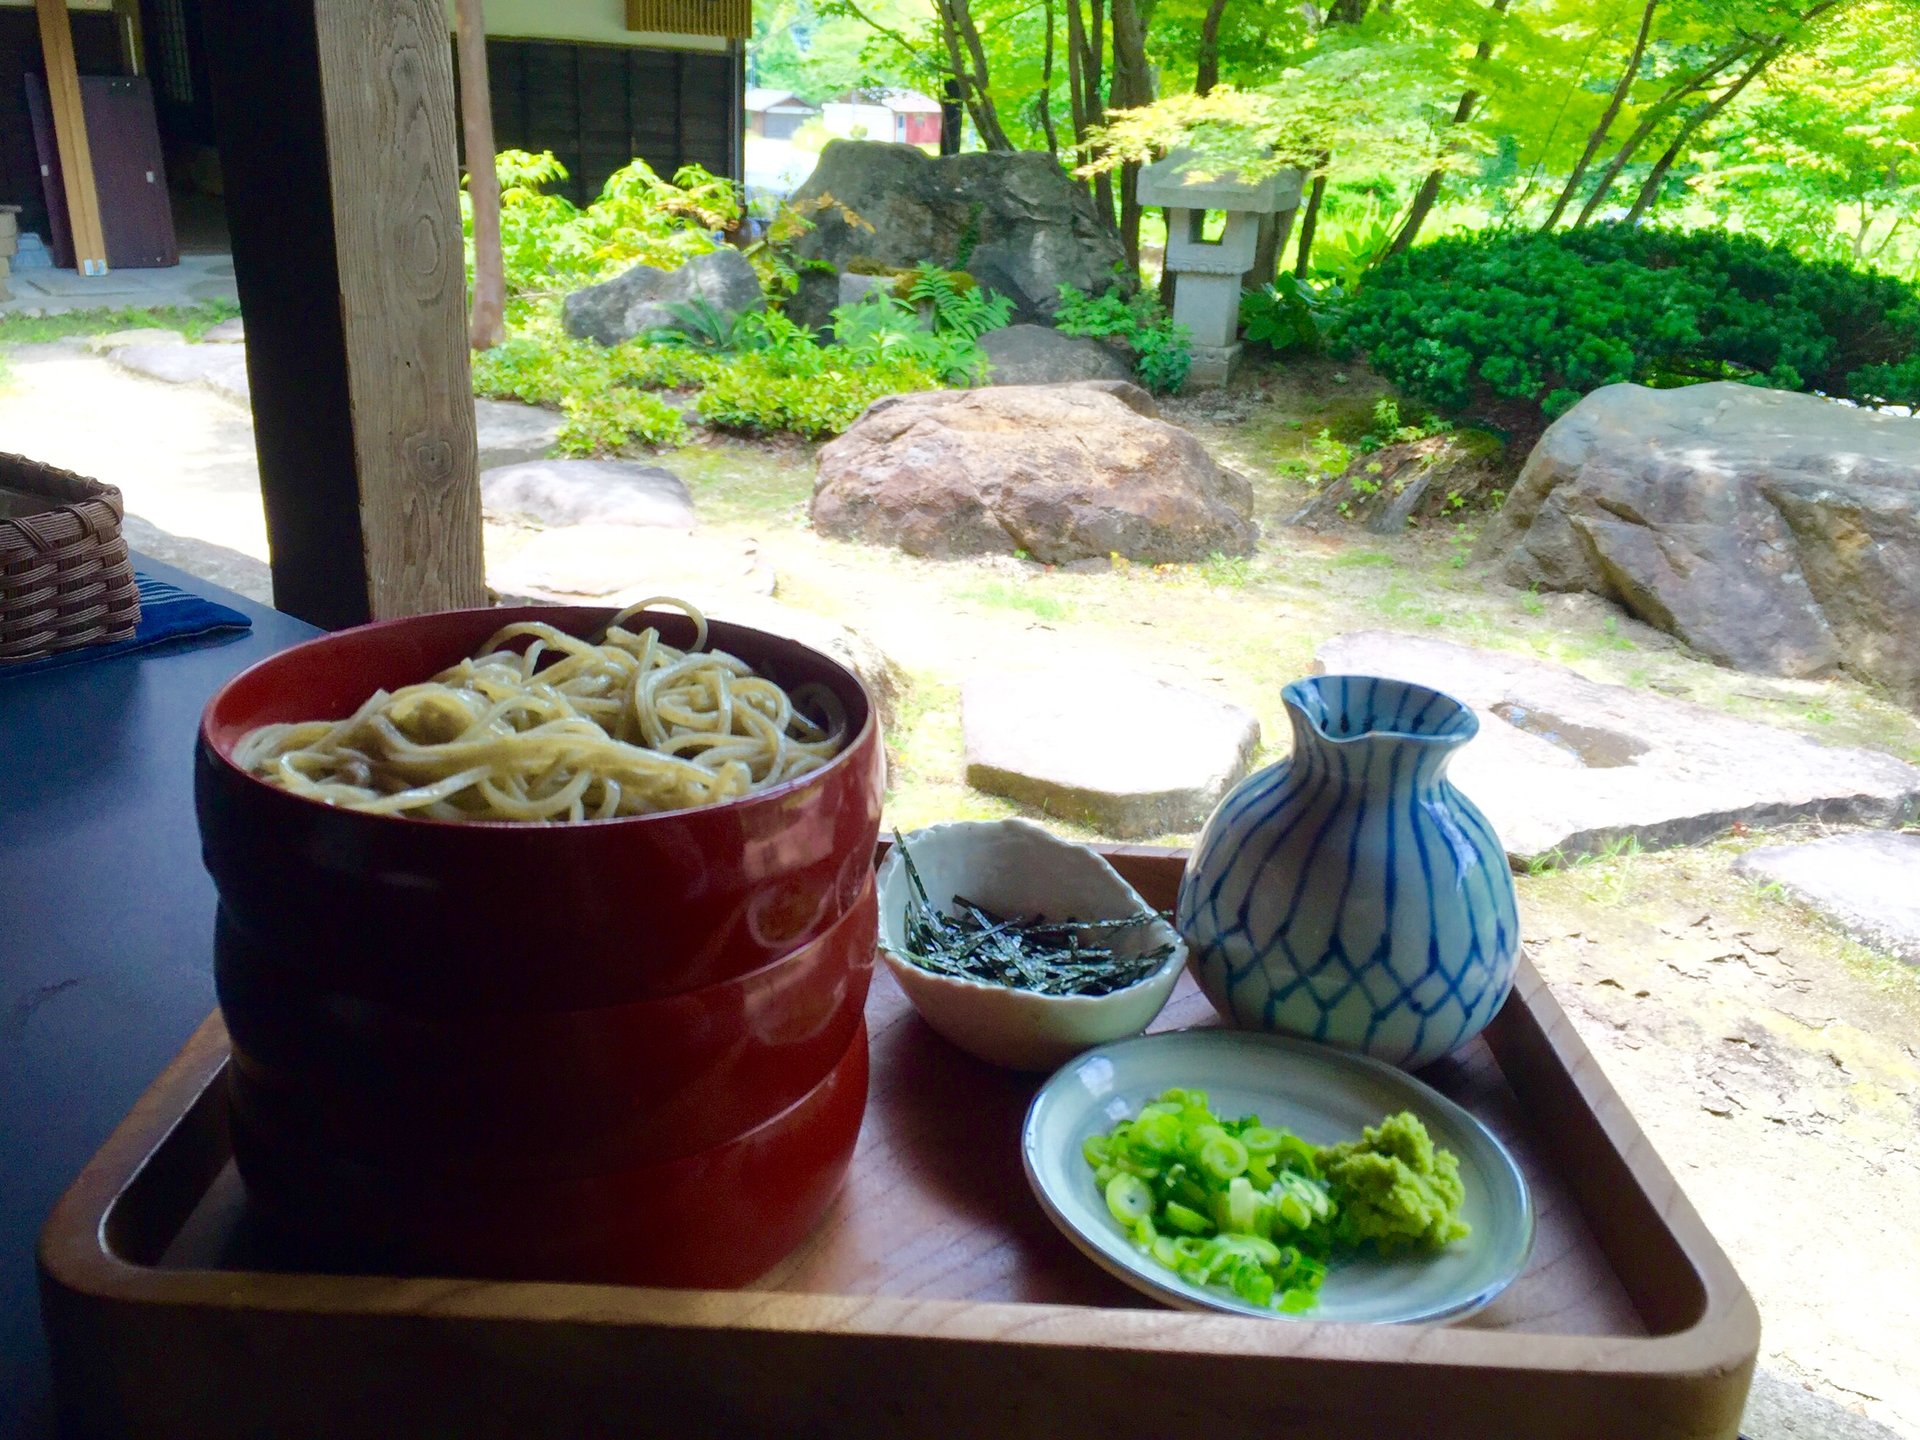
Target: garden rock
(232,331)
(1869,884)
(1061,472)
(588,492)
(510,433)
(852,289)
(637,302)
(219,368)
(816,293)
(1014,220)
(1771,531)
(1081,746)
(1036,355)
(1565,766)
(622,564)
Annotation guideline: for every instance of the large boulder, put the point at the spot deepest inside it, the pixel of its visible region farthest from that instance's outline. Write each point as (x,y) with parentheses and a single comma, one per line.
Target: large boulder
(1035,355)
(637,302)
(1062,472)
(1014,220)
(1771,531)
(587,492)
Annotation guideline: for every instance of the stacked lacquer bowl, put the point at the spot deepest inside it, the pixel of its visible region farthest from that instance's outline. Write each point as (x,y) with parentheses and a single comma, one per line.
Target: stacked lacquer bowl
(628,1050)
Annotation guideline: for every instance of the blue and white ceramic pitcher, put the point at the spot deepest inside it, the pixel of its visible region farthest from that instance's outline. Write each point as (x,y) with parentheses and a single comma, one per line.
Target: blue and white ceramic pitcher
(1350,894)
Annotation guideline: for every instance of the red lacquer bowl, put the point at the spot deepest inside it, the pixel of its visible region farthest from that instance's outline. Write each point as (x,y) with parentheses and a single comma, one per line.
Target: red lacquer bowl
(470,916)
(537,1093)
(719,1218)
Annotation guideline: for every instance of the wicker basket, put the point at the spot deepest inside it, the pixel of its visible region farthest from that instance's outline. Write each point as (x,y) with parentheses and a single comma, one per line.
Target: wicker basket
(65,578)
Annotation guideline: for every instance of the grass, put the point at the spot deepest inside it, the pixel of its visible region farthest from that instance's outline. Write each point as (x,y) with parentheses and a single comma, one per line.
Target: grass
(193,321)
(1027,598)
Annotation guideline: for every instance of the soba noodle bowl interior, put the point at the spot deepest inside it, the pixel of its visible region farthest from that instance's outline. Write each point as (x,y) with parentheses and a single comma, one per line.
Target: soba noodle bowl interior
(543,726)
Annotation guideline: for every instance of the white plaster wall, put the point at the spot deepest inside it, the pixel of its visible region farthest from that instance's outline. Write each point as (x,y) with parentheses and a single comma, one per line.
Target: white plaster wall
(599,21)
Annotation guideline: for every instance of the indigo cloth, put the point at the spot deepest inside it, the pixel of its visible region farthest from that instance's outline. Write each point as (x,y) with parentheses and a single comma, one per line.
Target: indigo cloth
(167,613)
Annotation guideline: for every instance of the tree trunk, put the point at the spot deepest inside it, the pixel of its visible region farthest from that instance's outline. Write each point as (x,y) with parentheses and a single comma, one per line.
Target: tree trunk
(961,37)
(1206,73)
(1309,222)
(1599,135)
(1046,90)
(487,325)
(1656,115)
(1650,191)
(1096,39)
(1132,86)
(1429,191)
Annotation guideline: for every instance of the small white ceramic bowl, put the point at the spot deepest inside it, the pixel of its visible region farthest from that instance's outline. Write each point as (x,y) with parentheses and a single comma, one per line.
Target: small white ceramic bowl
(1013,867)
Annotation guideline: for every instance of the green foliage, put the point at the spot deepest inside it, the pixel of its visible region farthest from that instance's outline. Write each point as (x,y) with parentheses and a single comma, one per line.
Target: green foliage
(600,391)
(1389,429)
(1111,315)
(1539,320)
(1162,356)
(753,395)
(960,306)
(1291,315)
(602,421)
(1162,350)
(699,324)
(883,331)
(548,245)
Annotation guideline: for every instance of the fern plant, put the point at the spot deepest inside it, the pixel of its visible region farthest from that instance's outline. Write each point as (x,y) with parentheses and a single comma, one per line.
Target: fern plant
(968,311)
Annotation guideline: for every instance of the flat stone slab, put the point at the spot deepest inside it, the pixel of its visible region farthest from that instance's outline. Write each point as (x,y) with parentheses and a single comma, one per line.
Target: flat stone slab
(588,492)
(1778,1409)
(231,331)
(1127,755)
(623,564)
(1565,765)
(1868,884)
(114,339)
(512,434)
(219,368)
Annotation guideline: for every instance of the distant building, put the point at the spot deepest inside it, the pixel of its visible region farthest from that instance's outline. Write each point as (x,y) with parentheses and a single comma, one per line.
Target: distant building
(901,115)
(777,114)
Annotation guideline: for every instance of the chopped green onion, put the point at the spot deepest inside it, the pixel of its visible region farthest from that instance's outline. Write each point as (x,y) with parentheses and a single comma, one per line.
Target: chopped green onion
(1260,1211)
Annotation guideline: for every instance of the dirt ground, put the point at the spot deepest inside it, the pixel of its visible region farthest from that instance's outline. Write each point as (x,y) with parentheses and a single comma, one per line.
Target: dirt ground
(1775,1065)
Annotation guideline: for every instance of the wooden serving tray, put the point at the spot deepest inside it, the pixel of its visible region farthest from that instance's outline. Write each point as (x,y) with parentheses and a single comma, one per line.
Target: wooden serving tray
(935,1301)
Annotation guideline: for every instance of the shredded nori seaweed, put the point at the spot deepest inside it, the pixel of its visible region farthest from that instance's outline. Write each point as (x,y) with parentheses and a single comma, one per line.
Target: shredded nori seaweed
(1048,957)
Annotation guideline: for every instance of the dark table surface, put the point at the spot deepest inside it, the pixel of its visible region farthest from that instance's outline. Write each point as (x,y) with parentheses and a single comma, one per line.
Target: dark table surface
(106,926)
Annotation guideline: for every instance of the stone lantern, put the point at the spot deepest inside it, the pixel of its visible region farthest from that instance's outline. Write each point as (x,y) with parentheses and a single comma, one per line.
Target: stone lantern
(1208,273)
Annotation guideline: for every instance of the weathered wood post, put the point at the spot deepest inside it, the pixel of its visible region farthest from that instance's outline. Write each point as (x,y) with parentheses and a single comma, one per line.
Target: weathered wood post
(336,125)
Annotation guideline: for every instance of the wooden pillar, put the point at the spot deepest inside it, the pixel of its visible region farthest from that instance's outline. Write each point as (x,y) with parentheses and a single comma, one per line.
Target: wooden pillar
(70,135)
(336,126)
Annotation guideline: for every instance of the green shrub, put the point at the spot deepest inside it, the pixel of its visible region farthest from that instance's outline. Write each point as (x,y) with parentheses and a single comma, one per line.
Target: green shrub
(1473,322)
(602,392)
(882,331)
(1290,315)
(752,394)
(1162,350)
(600,421)
(549,245)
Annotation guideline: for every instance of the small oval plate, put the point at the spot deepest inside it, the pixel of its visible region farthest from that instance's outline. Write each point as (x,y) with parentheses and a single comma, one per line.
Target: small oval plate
(1322,1095)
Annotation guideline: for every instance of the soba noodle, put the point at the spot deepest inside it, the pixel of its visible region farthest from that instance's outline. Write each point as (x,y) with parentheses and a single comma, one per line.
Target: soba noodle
(629,726)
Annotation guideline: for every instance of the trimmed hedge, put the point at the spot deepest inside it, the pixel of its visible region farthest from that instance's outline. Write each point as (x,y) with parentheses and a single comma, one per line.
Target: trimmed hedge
(1487,322)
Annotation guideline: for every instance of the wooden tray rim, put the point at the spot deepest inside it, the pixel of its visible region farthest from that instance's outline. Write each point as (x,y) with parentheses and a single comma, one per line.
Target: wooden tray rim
(75,1258)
